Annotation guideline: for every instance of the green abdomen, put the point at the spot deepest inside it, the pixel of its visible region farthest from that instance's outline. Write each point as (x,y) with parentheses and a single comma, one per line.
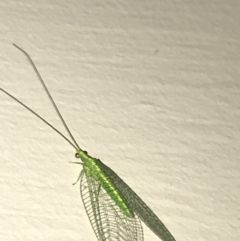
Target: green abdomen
(95,168)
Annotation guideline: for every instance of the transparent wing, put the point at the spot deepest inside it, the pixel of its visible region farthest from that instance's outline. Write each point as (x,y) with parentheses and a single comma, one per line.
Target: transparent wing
(138,206)
(108,221)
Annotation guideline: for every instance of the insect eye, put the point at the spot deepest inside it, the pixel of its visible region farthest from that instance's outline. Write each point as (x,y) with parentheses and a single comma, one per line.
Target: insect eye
(77,155)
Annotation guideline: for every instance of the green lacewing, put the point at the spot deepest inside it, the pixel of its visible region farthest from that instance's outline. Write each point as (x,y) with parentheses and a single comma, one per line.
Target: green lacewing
(115,211)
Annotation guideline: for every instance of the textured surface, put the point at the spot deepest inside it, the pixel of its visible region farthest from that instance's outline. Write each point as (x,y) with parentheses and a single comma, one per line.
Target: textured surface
(152,89)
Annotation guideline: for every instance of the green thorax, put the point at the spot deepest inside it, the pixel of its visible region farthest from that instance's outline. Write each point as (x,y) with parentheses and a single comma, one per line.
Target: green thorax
(95,168)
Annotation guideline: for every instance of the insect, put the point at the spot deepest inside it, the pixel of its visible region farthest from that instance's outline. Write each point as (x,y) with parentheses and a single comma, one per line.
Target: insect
(115,211)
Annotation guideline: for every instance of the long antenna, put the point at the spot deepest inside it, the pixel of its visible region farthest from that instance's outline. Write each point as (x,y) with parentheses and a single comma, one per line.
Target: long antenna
(49,95)
(38,116)
(75,145)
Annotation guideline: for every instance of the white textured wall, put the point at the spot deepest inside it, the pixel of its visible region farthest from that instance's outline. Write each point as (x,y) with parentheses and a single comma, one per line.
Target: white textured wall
(152,89)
